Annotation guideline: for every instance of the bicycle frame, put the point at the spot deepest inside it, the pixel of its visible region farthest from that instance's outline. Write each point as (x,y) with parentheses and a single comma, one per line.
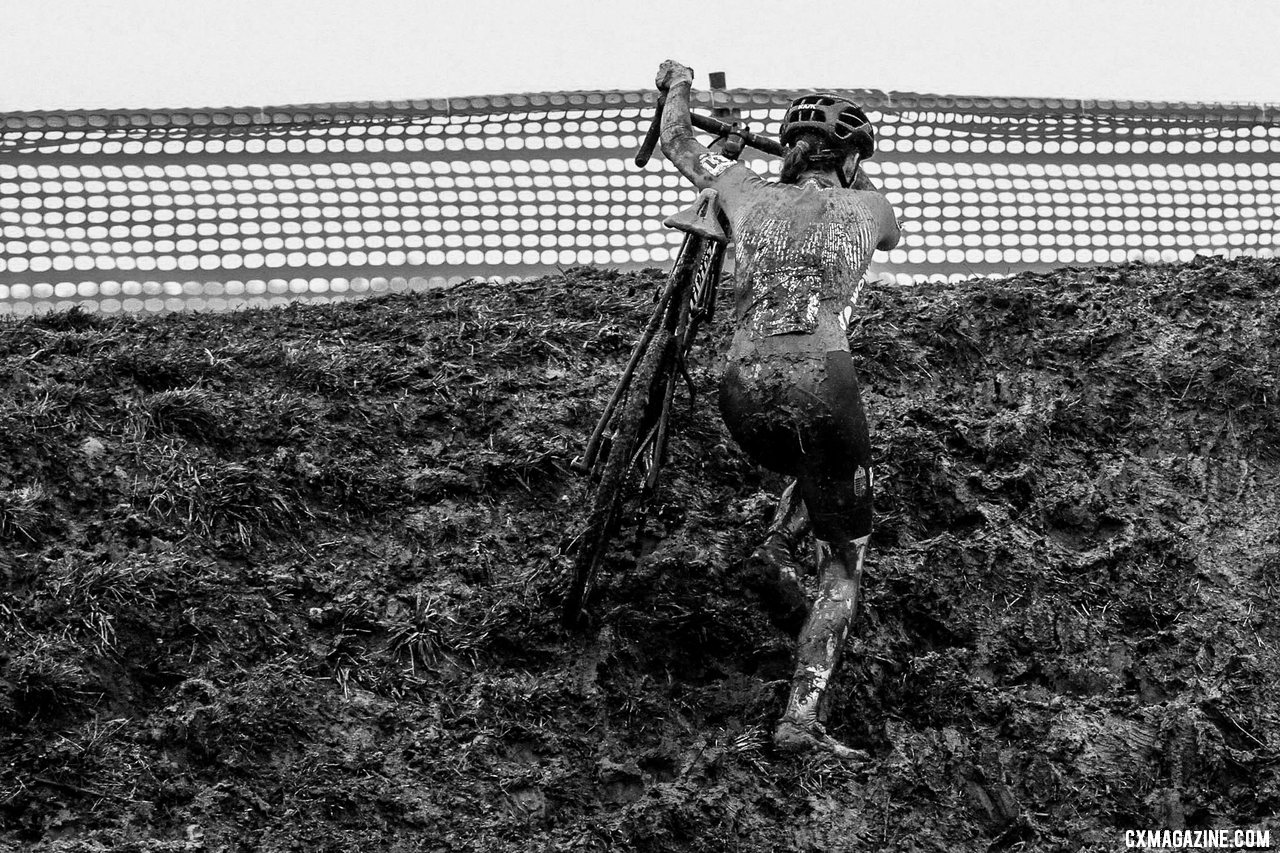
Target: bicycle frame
(733,137)
(634,429)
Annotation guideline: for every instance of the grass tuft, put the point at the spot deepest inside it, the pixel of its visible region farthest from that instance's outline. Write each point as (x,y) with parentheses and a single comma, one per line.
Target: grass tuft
(192,412)
(212,498)
(420,636)
(22,513)
(46,678)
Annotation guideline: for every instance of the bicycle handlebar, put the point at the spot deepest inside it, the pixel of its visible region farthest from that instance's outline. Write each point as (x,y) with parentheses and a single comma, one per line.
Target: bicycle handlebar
(655,130)
(758,141)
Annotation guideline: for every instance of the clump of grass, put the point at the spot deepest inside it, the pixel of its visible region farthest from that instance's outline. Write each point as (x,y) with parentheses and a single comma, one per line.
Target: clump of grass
(348,368)
(319,368)
(214,498)
(22,513)
(193,412)
(72,320)
(45,679)
(85,597)
(33,411)
(359,483)
(282,416)
(160,366)
(79,407)
(420,636)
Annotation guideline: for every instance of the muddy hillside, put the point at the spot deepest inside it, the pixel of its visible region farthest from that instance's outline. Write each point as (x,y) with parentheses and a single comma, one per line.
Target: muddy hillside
(288,580)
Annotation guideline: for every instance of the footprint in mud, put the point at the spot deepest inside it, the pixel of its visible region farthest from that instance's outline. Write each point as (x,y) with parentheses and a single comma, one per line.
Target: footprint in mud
(619,783)
(1087,533)
(530,801)
(663,768)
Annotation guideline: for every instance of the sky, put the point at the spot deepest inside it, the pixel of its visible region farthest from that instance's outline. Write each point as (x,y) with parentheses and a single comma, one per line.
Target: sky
(95,54)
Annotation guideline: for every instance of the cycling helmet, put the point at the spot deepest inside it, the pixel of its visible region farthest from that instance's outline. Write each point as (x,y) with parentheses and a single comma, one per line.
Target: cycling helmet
(839,119)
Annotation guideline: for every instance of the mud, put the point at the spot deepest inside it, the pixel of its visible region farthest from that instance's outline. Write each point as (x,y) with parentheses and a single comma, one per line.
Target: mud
(287,580)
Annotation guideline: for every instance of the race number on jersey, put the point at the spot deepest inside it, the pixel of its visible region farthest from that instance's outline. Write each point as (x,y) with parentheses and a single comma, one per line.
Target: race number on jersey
(715,164)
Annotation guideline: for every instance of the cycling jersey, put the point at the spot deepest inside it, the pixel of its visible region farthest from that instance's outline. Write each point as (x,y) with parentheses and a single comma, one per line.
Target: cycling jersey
(802,251)
(790,394)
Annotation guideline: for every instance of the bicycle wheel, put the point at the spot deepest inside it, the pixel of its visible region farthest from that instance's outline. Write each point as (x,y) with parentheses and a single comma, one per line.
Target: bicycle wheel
(637,434)
(610,490)
(696,305)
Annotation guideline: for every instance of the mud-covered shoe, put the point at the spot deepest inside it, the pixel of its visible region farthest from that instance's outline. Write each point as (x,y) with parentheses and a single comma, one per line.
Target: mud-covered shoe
(795,738)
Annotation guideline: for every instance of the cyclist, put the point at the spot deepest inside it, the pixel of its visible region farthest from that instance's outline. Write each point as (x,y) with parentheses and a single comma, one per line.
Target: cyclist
(789,394)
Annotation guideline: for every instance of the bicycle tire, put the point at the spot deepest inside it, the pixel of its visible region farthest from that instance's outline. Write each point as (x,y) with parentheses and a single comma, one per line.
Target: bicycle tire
(636,428)
(608,496)
(696,306)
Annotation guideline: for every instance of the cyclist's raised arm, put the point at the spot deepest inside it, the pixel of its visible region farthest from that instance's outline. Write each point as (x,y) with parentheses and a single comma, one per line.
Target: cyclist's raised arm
(890,231)
(694,160)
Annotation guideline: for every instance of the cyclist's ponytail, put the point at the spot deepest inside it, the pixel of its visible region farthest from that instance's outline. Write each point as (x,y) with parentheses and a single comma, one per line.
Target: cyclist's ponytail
(807,153)
(796,161)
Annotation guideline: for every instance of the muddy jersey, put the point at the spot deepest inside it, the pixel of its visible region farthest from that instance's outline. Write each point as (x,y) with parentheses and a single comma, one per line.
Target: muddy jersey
(802,251)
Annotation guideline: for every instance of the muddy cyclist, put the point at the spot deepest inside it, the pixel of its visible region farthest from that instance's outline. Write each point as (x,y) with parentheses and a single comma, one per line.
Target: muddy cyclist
(789,394)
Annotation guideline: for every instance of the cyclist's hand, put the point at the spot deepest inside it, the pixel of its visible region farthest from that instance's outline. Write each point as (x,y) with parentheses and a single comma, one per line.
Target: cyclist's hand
(670,73)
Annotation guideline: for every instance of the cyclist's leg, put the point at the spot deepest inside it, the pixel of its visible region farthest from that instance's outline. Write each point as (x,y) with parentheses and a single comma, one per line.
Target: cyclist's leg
(772,569)
(836,487)
(823,636)
(790,524)
(835,480)
(753,402)
(820,646)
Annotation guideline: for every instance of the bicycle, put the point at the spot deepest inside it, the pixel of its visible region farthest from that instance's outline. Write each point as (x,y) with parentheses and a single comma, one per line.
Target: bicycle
(632,432)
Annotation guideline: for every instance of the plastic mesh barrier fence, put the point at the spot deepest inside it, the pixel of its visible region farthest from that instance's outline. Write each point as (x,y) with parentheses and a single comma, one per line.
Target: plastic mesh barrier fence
(215,209)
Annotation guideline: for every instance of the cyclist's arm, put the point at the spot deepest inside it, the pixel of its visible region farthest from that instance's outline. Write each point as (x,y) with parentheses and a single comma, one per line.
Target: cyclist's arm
(703,167)
(889,229)
(679,143)
(880,207)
